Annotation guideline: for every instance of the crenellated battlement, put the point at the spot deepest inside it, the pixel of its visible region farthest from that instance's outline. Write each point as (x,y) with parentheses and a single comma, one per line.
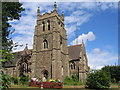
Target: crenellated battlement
(53,13)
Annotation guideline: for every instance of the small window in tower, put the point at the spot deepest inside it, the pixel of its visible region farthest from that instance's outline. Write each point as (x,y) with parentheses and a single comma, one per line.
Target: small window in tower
(45,44)
(43,24)
(60,39)
(59,23)
(48,25)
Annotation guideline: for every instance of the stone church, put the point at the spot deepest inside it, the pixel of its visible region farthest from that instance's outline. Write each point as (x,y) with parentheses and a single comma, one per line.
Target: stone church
(51,56)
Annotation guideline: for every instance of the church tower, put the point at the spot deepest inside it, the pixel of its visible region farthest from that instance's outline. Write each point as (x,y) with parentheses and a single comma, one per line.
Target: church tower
(50,52)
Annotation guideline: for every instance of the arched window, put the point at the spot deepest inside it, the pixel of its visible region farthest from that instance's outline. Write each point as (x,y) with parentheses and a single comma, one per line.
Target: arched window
(45,44)
(24,67)
(48,25)
(43,24)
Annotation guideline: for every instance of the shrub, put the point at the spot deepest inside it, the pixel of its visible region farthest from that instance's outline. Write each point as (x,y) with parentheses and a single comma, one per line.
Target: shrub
(24,80)
(72,81)
(15,80)
(5,80)
(75,78)
(98,79)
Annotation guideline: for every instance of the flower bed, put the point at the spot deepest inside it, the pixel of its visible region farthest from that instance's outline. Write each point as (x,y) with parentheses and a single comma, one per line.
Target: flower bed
(51,84)
(33,84)
(46,84)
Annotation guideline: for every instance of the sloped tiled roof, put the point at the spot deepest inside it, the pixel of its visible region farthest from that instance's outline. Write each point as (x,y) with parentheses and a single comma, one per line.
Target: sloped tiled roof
(17,56)
(12,62)
(74,51)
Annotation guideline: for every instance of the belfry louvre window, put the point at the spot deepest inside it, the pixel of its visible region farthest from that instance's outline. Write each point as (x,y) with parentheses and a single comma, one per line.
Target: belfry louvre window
(48,25)
(43,24)
(45,44)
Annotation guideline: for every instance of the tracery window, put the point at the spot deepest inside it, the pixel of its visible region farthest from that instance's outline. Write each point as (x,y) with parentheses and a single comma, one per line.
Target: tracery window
(25,67)
(24,63)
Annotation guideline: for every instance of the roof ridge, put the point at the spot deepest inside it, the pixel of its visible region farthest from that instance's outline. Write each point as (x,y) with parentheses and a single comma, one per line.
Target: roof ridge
(75,45)
(20,51)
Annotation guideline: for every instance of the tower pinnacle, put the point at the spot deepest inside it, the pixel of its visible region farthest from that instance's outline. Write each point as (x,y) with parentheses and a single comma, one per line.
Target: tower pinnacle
(38,10)
(62,13)
(55,6)
(26,44)
(82,41)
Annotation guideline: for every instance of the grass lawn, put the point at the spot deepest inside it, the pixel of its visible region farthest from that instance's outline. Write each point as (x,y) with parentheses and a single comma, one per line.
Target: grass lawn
(21,86)
(25,86)
(80,86)
(114,86)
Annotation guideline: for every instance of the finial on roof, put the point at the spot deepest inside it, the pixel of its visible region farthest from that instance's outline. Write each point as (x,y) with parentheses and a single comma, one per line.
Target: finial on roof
(38,10)
(26,47)
(82,41)
(62,13)
(55,6)
(26,44)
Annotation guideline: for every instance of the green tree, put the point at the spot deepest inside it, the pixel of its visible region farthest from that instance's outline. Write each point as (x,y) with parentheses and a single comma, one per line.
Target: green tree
(114,72)
(98,79)
(5,80)
(10,11)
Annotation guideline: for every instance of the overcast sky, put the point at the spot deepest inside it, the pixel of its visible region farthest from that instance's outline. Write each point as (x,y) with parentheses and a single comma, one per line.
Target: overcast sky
(97,25)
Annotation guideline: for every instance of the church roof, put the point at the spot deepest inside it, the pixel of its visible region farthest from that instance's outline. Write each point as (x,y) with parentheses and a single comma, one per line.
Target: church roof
(17,56)
(74,54)
(11,63)
(74,51)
